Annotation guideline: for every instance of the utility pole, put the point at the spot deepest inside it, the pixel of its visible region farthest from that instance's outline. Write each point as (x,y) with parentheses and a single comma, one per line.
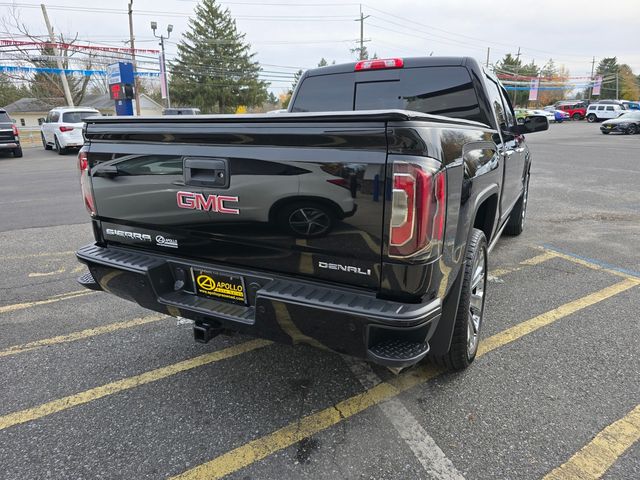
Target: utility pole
(362,40)
(593,63)
(488,53)
(133,59)
(63,76)
(517,67)
(163,61)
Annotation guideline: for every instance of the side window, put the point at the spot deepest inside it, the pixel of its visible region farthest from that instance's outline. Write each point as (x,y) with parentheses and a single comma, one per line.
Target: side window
(496,103)
(610,109)
(54,117)
(508,110)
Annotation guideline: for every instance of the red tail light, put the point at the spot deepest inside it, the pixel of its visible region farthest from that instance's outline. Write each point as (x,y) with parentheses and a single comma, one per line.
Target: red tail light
(417,211)
(66,129)
(15,131)
(85,183)
(379,64)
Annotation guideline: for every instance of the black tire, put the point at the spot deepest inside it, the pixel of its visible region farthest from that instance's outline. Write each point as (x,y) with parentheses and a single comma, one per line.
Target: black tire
(605,133)
(17,152)
(591,118)
(632,130)
(461,354)
(58,148)
(306,219)
(44,143)
(515,224)
(576,116)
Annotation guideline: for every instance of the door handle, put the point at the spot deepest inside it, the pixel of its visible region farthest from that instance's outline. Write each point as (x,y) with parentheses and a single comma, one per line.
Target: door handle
(206,172)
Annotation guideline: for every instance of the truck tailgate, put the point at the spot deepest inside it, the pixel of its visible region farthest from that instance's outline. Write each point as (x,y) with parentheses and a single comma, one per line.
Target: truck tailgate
(303,198)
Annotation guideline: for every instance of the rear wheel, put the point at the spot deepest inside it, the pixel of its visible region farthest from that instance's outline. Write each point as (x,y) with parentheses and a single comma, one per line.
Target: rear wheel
(576,116)
(17,152)
(466,330)
(45,145)
(59,149)
(591,118)
(632,130)
(515,224)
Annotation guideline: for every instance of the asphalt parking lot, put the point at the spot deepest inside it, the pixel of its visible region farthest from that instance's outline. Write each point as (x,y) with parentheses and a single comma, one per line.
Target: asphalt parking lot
(92,386)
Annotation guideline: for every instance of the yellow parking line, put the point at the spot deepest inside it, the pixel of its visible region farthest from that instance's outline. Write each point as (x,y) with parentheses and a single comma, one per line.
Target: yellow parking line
(36,255)
(528,326)
(53,299)
(46,274)
(71,337)
(588,264)
(543,257)
(597,456)
(260,448)
(111,388)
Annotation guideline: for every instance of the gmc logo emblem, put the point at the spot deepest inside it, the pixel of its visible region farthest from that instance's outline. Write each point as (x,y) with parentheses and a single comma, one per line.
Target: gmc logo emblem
(210,203)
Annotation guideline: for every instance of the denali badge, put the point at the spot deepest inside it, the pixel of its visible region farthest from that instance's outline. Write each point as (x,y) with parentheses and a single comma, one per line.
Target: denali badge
(127,234)
(213,203)
(344,268)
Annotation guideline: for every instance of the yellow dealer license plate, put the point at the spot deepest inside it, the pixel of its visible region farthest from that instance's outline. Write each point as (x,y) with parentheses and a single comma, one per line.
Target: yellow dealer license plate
(219,286)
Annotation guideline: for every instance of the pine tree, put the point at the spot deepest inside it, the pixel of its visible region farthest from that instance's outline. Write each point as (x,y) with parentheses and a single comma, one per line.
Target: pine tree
(608,68)
(9,91)
(215,70)
(513,67)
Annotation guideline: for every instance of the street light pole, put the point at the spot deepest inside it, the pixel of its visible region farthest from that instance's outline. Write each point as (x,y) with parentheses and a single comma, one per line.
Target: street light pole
(163,62)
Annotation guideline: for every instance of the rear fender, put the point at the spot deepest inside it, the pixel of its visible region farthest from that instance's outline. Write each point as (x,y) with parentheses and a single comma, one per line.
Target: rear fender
(441,340)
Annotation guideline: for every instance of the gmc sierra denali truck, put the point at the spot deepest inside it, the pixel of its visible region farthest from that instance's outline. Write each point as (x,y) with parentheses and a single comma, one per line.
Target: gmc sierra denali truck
(358,222)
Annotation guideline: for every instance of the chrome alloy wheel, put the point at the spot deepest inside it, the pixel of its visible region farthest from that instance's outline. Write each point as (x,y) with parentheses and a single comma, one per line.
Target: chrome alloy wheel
(476,303)
(309,221)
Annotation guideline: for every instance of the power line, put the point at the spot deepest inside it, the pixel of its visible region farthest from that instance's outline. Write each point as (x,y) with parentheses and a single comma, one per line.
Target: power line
(295,18)
(457,34)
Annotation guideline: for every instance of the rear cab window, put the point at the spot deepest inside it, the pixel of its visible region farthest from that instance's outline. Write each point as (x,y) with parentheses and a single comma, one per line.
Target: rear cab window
(446,90)
(5,118)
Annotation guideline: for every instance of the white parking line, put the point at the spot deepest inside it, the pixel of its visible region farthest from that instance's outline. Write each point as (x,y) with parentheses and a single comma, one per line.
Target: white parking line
(427,452)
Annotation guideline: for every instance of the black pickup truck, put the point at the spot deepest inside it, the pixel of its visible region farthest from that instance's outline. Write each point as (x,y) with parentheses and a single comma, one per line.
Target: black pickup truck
(358,222)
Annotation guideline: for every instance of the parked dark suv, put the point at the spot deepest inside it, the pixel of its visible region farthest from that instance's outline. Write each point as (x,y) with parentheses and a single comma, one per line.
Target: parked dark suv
(9,136)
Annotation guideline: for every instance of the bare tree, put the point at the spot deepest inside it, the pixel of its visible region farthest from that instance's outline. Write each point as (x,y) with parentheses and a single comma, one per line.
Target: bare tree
(45,84)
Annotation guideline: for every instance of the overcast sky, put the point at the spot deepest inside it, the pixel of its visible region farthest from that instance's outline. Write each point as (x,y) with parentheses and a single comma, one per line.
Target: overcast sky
(296,34)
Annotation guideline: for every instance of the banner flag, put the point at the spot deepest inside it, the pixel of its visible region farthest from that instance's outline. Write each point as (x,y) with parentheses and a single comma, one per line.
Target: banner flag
(533,89)
(597,85)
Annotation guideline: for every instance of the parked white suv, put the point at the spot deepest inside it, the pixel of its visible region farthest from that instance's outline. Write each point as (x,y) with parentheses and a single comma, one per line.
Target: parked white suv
(62,129)
(603,111)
